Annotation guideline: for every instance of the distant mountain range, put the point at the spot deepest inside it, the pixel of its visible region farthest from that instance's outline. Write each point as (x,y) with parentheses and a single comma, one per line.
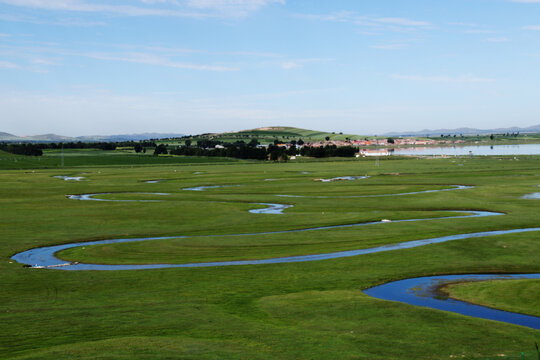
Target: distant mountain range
(467,131)
(93,138)
(276,132)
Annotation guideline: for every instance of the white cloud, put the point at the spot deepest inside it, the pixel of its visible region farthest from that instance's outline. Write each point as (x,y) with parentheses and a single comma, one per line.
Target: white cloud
(8,65)
(188,8)
(532,27)
(288,65)
(232,7)
(81,6)
(443,78)
(463,24)
(479,31)
(152,59)
(498,39)
(402,22)
(389,46)
(391,23)
(45,61)
(298,63)
(527,1)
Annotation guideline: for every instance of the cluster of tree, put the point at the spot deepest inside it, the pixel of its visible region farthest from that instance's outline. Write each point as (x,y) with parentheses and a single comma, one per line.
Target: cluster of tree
(235,151)
(242,150)
(22,149)
(96,145)
(492,136)
(455,135)
(328,151)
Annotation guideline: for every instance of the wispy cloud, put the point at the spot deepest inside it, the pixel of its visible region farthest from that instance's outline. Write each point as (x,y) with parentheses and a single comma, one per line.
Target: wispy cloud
(479,31)
(8,65)
(527,1)
(152,59)
(443,78)
(402,22)
(38,56)
(298,63)
(391,23)
(532,27)
(389,46)
(463,24)
(169,8)
(498,39)
(232,7)
(46,61)
(59,22)
(81,6)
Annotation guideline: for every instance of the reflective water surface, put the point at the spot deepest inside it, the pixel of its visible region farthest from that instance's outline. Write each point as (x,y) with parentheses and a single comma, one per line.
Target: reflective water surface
(271,209)
(92,196)
(423,291)
(521,149)
(45,256)
(70,178)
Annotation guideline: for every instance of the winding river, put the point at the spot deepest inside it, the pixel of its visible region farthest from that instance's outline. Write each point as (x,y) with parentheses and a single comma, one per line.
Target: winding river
(411,291)
(94,198)
(45,256)
(454,187)
(424,291)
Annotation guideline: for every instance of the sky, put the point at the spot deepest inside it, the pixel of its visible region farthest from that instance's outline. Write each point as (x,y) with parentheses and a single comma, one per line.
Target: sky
(82,67)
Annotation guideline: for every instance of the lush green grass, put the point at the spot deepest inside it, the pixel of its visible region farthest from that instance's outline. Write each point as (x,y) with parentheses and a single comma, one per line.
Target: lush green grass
(309,310)
(268,135)
(521,296)
(95,157)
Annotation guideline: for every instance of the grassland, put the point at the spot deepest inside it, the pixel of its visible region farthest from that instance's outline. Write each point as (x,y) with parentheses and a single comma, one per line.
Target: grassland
(520,296)
(95,157)
(310,310)
(268,135)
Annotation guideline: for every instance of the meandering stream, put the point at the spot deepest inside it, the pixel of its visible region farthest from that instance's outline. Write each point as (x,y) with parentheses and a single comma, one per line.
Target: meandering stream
(423,291)
(411,291)
(45,256)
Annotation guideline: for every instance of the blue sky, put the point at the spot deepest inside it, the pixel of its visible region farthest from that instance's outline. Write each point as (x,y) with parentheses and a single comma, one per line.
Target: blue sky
(81,67)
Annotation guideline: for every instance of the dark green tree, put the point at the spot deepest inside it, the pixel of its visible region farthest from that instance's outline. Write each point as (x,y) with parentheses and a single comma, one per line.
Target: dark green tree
(160,149)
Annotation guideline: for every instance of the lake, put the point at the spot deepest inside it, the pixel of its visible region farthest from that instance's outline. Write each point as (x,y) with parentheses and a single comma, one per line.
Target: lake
(521,149)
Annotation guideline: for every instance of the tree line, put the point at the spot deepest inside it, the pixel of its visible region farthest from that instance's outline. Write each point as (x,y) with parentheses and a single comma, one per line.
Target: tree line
(242,150)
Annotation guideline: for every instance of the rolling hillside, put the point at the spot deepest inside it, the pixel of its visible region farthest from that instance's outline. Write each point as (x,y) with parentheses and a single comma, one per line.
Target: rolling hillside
(267,135)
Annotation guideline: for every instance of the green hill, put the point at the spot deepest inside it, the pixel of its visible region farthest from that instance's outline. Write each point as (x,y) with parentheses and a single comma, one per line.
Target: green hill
(267,135)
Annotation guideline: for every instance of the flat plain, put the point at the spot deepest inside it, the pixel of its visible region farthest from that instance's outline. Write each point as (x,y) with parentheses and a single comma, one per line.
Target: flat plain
(306,310)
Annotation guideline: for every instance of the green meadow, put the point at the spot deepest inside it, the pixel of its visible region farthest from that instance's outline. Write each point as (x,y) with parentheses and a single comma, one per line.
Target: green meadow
(501,294)
(306,310)
(95,157)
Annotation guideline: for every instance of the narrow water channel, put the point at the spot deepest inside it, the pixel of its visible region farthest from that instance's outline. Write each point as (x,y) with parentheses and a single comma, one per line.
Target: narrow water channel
(424,291)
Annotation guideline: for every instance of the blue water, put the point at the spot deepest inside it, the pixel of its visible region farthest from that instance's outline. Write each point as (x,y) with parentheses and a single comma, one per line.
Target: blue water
(276,209)
(94,198)
(202,188)
(522,149)
(397,291)
(45,256)
(454,187)
(350,178)
(423,291)
(69,178)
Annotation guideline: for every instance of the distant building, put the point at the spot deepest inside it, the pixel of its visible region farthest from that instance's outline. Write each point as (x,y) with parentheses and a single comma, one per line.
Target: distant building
(374,152)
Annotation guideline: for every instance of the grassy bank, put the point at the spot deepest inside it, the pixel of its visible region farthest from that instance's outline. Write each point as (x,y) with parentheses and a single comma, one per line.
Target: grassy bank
(283,311)
(516,296)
